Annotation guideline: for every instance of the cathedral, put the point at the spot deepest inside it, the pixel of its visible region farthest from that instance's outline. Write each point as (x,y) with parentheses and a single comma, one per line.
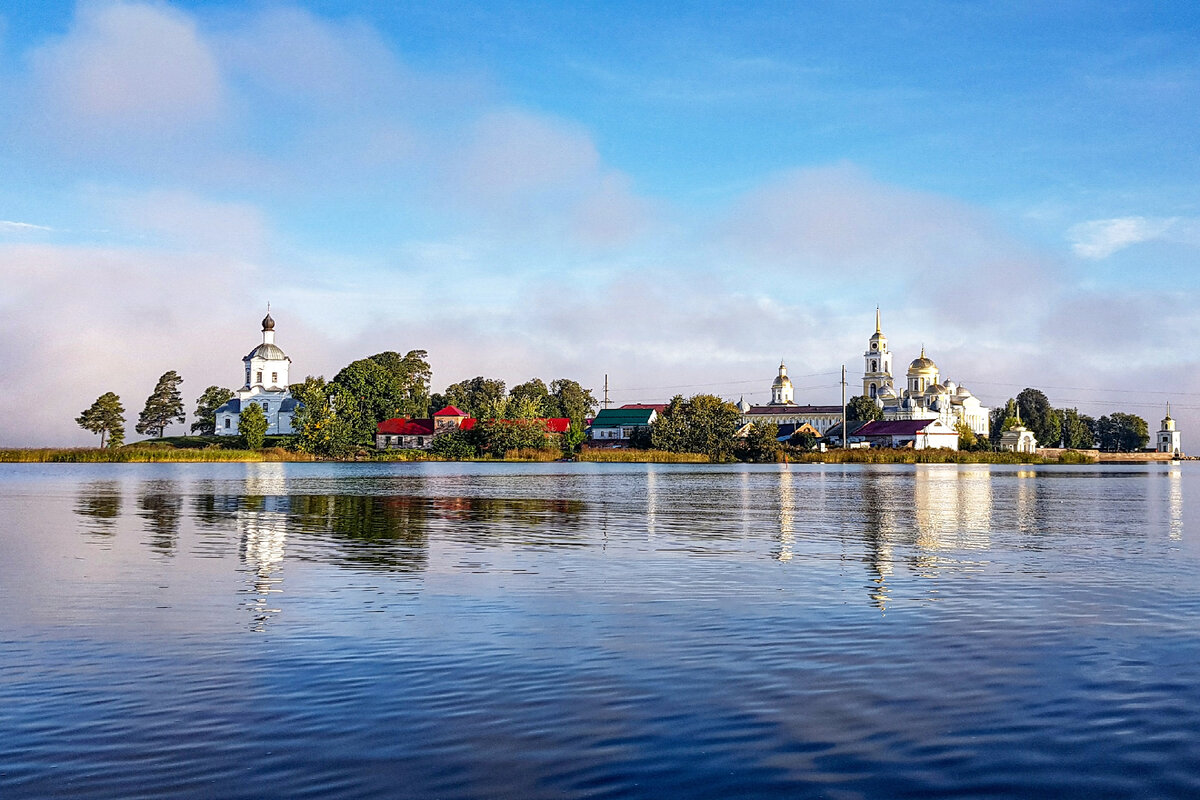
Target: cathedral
(924,396)
(266,373)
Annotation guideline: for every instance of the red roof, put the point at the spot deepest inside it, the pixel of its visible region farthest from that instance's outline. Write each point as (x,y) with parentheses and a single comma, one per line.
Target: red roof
(467,424)
(657,407)
(450,411)
(557,425)
(406,427)
(895,427)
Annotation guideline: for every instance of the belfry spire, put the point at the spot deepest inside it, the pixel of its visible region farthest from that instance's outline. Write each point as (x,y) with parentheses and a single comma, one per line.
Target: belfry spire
(877,328)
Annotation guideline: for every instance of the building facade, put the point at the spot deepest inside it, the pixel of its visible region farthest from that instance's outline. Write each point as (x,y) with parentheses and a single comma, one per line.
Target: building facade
(1168,440)
(266,384)
(924,395)
(783,410)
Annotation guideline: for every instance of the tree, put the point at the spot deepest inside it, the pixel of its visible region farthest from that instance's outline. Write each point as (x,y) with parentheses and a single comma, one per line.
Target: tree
(966,436)
(1124,433)
(163,406)
(106,417)
(534,391)
(863,409)
(523,407)
(252,425)
(410,380)
(321,427)
(479,397)
(573,438)
(572,400)
(761,444)
(802,440)
(498,436)
(1039,417)
(1001,419)
(454,444)
(206,409)
(1076,429)
(702,424)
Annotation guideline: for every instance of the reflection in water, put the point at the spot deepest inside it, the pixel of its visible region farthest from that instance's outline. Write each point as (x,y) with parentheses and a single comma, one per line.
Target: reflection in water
(1175,503)
(99,502)
(787,512)
(159,504)
(262,524)
(881,504)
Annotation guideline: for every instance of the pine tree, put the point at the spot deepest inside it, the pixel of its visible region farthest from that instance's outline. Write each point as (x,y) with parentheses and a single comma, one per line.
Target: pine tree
(106,417)
(206,409)
(163,406)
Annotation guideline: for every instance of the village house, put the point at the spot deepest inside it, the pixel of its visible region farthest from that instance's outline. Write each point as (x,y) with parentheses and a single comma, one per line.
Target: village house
(919,434)
(402,433)
(614,427)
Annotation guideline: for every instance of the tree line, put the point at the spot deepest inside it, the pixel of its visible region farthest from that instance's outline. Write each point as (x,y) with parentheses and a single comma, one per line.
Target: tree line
(340,415)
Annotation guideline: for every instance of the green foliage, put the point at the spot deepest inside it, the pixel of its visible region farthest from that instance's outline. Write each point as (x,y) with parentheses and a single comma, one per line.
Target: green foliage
(383,386)
(319,422)
(761,444)
(252,425)
(573,439)
(495,437)
(702,424)
(966,436)
(1039,417)
(533,399)
(802,441)
(106,417)
(454,445)
(163,406)
(572,400)
(621,455)
(479,397)
(206,409)
(1077,429)
(863,409)
(1122,433)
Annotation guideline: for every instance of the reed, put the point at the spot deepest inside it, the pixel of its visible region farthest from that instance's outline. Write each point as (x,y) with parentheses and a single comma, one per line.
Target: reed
(932,456)
(143,454)
(533,454)
(642,456)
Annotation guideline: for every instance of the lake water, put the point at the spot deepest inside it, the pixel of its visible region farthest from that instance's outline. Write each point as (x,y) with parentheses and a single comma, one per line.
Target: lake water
(575,630)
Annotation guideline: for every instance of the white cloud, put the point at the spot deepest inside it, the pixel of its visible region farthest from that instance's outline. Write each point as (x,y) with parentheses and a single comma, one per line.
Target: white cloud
(1101,238)
(8,226)
(181,217)
(129,66)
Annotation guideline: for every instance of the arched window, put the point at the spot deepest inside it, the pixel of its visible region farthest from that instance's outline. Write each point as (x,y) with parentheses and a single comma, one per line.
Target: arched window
(874,365)
(872,391)
(266,406)
(227,422)
(259,378)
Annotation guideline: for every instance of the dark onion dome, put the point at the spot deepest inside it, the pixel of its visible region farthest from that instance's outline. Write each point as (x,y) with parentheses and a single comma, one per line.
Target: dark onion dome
(268,323)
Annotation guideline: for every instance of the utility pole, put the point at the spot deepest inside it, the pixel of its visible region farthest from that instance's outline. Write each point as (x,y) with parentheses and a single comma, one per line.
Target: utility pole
(845,438)
(606,400)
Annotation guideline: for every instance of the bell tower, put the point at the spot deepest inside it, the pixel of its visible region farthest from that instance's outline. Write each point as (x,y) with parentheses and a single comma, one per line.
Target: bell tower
(877,366)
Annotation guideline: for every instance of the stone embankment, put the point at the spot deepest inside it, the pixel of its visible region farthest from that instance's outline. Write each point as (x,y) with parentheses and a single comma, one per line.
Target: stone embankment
(1110,458)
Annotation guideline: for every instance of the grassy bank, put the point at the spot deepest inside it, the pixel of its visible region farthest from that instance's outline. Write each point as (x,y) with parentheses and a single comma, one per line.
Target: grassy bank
(936,456)
(642,456)
(144,453)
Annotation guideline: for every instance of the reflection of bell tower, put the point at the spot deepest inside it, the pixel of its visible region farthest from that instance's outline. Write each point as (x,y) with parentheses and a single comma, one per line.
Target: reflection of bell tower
(877,368)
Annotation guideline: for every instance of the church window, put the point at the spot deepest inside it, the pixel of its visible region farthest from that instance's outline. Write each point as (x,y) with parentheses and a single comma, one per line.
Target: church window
(274,378)
(872,391)
(259,378)
(874,345)
(874,365)
(266,406)
(227,422)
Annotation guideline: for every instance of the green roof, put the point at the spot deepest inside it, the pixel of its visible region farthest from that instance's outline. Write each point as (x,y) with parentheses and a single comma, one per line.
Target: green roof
(613,417)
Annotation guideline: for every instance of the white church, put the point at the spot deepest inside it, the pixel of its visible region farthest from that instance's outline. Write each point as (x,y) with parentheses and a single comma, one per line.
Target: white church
(924,396)
(266,385)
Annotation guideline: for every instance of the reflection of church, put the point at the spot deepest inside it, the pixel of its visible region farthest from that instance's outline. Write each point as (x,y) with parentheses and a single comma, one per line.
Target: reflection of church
(924,396)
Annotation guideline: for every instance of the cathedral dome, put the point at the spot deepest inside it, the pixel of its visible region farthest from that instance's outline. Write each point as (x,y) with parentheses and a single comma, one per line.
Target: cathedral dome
(268,323)
(782,378)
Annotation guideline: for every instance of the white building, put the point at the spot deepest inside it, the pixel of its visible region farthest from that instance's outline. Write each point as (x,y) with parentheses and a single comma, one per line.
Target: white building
(784,412)
(924,396)
(1168,437)
(266,385)
(1018,439)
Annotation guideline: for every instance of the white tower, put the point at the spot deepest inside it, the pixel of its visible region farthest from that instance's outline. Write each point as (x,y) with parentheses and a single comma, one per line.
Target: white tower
(781,389)
(1168,437)
(877,369)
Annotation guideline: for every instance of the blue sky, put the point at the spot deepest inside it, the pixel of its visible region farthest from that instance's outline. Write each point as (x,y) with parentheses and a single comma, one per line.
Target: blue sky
(675,197)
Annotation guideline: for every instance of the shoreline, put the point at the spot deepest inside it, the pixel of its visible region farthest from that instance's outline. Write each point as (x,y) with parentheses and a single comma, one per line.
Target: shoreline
(161,454)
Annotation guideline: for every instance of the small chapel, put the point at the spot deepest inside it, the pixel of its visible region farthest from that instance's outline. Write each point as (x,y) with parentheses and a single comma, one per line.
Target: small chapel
(266,384)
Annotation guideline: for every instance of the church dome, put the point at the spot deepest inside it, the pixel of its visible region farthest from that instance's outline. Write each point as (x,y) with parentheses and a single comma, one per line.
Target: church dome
(782,378)
(268,323)
(937,388)
(269,352)
(922,364)
(963,392)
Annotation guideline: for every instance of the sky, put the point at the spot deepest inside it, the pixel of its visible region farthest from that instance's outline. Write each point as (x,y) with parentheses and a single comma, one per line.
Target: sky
(677,198)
